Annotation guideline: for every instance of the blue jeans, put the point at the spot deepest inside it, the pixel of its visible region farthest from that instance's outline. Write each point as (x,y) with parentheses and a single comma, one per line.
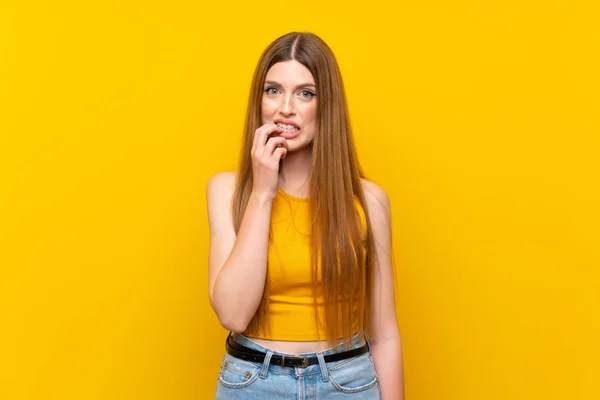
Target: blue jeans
(352,378)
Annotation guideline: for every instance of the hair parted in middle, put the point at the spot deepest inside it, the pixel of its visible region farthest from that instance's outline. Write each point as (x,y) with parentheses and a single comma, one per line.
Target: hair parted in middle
(340,248)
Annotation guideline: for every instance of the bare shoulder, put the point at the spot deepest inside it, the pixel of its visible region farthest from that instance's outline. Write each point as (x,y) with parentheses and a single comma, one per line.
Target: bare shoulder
(219,192)
(221,182)
(377,199)
(220,187)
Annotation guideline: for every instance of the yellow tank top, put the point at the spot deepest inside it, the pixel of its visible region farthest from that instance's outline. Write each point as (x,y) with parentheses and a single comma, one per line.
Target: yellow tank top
(291,309)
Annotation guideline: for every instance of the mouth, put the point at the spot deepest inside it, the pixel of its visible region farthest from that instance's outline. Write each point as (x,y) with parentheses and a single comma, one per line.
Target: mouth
(288,126)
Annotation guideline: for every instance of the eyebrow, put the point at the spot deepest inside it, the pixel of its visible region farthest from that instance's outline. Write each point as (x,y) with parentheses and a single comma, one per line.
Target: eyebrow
(297,86)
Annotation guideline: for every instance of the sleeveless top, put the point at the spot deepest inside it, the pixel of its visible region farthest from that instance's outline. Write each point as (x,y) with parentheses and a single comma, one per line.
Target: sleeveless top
(291,307)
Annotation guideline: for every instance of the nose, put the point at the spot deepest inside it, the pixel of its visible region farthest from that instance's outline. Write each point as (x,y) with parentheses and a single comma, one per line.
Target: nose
(287,105)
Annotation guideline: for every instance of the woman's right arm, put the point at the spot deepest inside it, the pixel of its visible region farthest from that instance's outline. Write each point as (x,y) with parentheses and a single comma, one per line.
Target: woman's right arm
(238,263)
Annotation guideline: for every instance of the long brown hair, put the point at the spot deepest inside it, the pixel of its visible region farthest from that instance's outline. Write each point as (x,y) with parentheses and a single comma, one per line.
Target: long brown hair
(334,184)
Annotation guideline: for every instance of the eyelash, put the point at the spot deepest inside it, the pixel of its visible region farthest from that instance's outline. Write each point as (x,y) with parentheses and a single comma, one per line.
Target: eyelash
(307,91)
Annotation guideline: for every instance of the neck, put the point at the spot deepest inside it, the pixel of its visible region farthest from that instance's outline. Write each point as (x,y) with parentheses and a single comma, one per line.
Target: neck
(294,172)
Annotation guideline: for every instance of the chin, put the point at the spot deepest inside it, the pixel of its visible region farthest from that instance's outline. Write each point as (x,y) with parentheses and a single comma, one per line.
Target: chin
(300,146)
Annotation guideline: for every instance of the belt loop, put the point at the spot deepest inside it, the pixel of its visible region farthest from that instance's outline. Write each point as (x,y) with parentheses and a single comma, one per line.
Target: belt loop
(324,370)
(266,362)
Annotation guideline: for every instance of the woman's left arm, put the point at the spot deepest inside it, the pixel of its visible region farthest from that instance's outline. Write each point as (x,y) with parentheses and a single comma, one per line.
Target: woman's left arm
(386,346)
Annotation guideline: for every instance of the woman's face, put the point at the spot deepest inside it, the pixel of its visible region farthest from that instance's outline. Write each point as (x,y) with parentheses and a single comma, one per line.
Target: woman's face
(289,98)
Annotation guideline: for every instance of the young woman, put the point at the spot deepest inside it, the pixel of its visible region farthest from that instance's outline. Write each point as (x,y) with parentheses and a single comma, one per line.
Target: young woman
(300,265)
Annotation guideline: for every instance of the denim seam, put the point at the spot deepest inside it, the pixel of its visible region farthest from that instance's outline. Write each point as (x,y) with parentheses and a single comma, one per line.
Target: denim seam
(353,390)
(341,363)
(244,384)
(235,371)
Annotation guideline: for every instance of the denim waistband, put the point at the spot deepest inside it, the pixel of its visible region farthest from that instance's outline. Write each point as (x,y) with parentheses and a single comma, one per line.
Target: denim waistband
(356,341)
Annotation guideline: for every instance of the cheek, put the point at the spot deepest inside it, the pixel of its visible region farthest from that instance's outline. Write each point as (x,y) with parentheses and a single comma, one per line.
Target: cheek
(310,114)
(268,107)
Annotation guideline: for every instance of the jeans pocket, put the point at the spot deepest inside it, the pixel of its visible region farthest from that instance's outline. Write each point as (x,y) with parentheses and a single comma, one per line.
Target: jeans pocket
(354,375)
(236,373)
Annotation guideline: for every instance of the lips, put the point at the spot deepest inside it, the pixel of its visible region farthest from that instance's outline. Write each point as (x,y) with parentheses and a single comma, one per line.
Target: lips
(289,134)
(287,122)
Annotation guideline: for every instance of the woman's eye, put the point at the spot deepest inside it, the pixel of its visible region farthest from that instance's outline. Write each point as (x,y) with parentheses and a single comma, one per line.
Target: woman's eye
(305,93)
(310,94)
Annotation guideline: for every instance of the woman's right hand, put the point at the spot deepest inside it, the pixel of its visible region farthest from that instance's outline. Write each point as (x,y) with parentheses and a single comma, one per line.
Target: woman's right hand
(267,150)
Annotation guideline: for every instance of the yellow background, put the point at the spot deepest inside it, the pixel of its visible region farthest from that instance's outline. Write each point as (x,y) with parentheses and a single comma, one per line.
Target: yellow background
(480,120)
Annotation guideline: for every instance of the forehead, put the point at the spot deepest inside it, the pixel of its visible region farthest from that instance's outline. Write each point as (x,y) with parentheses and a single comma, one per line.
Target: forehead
(289,73)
